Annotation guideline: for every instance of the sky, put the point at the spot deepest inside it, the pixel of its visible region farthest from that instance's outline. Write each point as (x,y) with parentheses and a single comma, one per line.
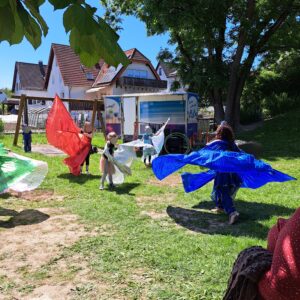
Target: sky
(133,35)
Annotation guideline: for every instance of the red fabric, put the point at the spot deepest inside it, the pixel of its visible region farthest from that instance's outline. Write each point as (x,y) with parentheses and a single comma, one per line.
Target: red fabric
(274,233)
(62,133)
(282,282)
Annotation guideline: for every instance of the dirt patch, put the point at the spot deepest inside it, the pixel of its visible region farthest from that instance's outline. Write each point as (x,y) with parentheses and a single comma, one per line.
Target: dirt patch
(143,201)
(31,255)
(38,195)
(47,150)
(154,215)
(173,180)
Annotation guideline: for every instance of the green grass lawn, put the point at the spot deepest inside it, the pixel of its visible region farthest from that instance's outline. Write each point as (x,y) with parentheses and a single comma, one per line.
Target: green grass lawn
(161,243)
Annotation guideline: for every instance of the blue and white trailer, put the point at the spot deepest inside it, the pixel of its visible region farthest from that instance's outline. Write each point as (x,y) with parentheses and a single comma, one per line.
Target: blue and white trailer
(128,114)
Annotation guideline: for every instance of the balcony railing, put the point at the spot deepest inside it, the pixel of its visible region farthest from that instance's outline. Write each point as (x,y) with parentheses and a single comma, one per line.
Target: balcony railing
(142,82)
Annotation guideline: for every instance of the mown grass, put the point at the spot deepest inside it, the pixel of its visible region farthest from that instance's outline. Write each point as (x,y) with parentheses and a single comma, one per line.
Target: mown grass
(159,242)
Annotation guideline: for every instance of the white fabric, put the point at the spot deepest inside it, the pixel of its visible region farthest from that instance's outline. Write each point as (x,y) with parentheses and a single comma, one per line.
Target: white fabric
(32,180)
(125,154)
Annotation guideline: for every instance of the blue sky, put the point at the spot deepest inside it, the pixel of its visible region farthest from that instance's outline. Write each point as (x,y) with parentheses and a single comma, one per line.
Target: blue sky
(133,35)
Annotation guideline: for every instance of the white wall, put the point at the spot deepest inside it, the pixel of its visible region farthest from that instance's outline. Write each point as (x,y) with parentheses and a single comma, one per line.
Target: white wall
(78,92)
(56,84)
(31,93)
(162,73)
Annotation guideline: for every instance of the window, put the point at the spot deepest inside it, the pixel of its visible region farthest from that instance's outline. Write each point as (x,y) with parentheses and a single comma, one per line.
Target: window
(159,72)
(136,73)
(37,102)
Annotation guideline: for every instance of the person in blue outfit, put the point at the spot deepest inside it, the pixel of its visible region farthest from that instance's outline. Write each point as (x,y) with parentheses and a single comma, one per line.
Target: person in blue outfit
(26,132)
(226,185)
(147,139)
(229,167)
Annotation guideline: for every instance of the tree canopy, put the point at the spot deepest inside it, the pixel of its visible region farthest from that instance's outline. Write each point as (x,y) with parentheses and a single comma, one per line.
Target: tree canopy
(90,36)
(217,42)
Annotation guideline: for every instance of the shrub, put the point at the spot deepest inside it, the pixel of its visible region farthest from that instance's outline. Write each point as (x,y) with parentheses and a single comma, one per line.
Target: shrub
(1,126)
(250,114)
(251,108)
(276,104)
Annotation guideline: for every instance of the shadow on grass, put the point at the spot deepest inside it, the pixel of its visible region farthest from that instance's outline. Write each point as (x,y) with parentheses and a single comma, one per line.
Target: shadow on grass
(125,188)
(78,179)
(207,222)
(25,217)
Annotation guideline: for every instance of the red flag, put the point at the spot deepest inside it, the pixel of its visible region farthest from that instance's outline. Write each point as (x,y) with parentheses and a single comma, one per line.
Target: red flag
(62,133)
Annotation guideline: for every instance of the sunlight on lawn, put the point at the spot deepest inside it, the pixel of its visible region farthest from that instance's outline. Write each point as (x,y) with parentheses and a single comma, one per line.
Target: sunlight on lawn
(143,239)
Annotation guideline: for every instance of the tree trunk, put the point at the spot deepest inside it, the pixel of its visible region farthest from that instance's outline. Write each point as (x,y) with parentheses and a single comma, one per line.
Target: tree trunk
(218,106)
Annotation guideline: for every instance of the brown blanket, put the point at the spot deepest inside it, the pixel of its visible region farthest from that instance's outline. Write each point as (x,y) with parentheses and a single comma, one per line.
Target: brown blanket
(248,268)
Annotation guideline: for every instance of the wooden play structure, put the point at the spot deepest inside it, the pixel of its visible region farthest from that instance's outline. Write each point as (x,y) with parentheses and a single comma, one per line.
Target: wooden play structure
(96,106)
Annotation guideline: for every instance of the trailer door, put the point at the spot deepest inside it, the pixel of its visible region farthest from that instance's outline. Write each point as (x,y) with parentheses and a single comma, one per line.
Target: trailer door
(129,109)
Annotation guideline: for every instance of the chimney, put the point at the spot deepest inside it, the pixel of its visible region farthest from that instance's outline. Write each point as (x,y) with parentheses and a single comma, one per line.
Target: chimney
(42,70)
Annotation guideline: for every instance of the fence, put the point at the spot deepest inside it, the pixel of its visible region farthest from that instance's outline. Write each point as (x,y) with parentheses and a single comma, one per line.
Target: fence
(38,116)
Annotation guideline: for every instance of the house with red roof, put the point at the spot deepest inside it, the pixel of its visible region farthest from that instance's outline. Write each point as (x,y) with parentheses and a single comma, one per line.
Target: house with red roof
(67,77)
(138,77)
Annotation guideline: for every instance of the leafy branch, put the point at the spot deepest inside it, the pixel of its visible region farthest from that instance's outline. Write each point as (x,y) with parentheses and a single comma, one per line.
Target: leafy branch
(90,37)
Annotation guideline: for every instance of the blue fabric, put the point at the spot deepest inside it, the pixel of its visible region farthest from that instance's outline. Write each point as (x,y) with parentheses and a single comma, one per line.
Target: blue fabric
(223,197)
(250,172)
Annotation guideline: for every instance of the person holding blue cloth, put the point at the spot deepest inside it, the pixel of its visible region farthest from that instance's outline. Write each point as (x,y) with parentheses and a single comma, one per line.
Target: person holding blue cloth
(226,184)
(229,167)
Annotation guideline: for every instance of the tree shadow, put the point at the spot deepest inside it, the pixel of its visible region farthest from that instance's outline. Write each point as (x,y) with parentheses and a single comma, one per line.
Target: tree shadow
(205,221)
(25,217)
(78,179)
(125,188)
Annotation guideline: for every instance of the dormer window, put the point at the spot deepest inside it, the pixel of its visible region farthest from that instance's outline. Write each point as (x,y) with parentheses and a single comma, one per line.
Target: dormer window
(136,73)
(89,76)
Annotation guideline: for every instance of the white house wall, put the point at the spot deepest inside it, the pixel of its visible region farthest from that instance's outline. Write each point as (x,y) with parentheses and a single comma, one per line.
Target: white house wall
(78,92)
(56,84)
(31,93)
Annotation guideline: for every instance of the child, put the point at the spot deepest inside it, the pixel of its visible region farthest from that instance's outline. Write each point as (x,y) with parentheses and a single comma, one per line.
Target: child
(147,139)
(226,185)
(26,137)
(88,132)
(106,166)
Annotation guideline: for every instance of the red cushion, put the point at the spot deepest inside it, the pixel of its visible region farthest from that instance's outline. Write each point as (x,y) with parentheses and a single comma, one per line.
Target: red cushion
(282,282)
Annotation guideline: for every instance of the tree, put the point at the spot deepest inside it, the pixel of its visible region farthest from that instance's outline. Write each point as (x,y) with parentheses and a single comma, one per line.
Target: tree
(217,42)
(7,92)
(90,37)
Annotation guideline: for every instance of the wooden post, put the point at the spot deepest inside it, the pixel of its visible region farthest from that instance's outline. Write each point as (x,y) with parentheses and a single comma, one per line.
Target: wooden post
(94,113)
(21,107)
(25,111)
(102,124)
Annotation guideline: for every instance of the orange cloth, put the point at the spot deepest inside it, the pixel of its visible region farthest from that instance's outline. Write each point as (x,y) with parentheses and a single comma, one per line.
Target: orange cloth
(62,133)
